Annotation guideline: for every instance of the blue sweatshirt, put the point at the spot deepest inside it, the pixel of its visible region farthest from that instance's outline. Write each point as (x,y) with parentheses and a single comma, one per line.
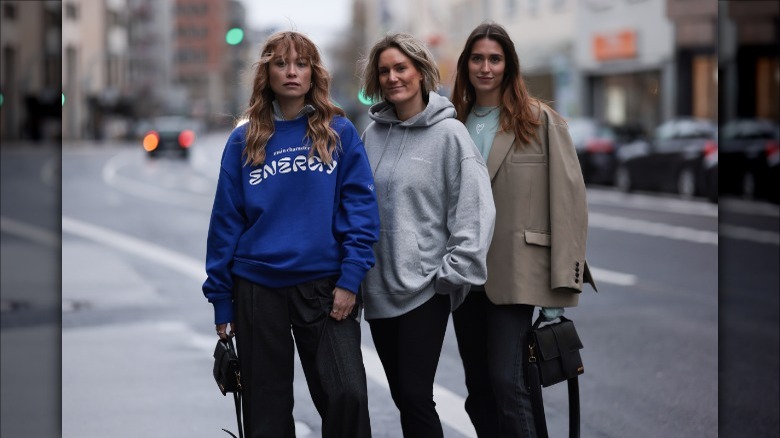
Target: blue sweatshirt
(292,219)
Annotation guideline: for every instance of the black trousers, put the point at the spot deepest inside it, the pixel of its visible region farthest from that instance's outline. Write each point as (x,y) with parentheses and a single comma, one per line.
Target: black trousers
(409,347)
(329,351)
(491,341)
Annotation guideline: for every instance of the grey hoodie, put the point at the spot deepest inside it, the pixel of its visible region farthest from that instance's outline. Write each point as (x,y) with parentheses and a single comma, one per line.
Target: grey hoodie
(435,207)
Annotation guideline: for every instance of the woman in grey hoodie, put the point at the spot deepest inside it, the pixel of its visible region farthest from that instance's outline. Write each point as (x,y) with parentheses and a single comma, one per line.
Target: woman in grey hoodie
(436,214)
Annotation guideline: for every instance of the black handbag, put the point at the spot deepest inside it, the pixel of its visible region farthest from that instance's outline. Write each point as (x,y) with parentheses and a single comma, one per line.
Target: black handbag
(554,357)
(228,376)
(226,368)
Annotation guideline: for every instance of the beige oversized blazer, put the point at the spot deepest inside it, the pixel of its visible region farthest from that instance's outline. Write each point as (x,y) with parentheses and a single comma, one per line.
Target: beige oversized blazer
(537,255)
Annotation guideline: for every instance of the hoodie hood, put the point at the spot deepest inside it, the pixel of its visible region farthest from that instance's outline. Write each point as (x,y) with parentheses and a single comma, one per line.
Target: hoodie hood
(439,108)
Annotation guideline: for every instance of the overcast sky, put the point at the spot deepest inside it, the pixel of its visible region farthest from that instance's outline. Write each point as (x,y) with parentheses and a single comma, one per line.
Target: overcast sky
(319,19)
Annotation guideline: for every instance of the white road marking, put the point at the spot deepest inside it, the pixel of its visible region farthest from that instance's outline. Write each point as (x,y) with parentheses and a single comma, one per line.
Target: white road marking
(450,405)
(750,234)
(113,179)
(753,208)
(29,232)
(612,277)
(656,229)
(189,266)
(651,203)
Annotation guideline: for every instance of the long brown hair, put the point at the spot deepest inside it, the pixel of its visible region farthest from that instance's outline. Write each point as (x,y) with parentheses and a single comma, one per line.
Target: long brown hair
(519,110)
(323,137)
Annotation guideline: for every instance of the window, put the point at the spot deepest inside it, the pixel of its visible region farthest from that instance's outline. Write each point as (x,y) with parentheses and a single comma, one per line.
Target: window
(9,12)
(71,11)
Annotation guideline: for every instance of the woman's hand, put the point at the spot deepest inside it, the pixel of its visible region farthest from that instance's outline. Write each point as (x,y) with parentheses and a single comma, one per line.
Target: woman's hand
(221,331)
(343,302)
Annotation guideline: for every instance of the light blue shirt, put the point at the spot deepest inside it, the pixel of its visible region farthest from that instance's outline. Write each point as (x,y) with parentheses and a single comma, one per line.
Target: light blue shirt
(482,124)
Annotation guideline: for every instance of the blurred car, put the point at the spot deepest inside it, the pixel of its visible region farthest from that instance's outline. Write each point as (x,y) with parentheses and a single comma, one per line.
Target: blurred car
(173,135)
(673,159)
(711,172)
(595,143)
(751,152)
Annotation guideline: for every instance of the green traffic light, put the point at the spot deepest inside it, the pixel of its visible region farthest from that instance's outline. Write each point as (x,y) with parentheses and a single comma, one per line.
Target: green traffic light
(234,36)
(1,99)
(365,100)
(63,99)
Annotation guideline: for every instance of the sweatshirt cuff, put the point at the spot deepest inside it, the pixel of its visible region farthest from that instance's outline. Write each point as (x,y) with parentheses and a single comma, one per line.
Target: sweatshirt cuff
(351,276)
(223,311)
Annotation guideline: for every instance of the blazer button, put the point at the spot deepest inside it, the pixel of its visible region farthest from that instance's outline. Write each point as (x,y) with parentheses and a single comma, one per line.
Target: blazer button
(577,264)
(576,280)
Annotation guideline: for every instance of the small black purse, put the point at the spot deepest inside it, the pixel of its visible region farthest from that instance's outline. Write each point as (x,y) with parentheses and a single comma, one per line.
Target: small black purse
(228,376)
(554,357)
(226,368)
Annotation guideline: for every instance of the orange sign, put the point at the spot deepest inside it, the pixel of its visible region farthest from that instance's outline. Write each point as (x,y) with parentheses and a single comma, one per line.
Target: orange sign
(615,45)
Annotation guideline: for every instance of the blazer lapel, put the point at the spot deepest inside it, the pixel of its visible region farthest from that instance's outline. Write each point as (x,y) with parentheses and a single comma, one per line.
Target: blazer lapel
(501,145)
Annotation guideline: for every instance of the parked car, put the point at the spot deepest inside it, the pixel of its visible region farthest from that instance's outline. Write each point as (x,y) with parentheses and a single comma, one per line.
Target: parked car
(711,172)
(595,143)
(751,152)
(673,159)
(169,135)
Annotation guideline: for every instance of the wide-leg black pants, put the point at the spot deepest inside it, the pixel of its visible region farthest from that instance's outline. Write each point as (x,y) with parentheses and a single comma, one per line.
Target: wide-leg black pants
(266,320)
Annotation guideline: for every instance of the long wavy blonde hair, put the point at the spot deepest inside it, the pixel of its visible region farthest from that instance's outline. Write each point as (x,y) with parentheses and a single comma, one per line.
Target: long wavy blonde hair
(259,114)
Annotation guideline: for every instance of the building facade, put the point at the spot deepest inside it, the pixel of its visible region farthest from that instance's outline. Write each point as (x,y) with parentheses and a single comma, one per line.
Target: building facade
(696,56)
(625,54)
(151,57)
(749,60)
(30,70)
(95,49)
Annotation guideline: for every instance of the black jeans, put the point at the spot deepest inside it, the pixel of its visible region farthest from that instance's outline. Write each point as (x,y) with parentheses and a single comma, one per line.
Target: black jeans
(492,341)
(329,351)
(409,347)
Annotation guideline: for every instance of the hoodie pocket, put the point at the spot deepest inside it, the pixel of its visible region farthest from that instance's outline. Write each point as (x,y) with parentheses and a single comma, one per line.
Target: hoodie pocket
(398,268)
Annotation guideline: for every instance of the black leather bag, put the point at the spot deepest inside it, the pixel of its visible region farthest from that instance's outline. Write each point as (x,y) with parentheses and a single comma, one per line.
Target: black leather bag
(555,349)
(226,369)
(228,376)
(554,357)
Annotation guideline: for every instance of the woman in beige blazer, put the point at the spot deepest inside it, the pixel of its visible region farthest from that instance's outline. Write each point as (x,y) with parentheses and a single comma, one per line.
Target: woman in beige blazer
(537,255)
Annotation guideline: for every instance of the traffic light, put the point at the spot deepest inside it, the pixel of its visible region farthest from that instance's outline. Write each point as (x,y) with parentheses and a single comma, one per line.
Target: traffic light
(234,36)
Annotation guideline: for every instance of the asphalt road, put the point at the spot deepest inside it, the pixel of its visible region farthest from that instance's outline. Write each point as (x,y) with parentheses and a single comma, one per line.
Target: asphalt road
(137,334)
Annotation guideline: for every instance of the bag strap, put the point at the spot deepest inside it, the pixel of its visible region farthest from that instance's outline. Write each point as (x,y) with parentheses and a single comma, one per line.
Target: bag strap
(236,396)
(237,400)
(537,403)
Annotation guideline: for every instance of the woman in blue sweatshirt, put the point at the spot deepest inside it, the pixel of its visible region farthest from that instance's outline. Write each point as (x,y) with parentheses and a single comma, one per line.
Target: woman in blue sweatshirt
(290,240)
